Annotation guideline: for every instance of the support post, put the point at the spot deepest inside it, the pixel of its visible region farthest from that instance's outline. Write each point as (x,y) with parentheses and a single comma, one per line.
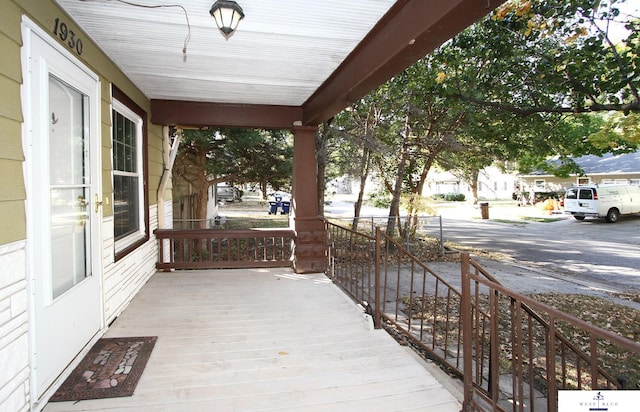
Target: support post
(309,254)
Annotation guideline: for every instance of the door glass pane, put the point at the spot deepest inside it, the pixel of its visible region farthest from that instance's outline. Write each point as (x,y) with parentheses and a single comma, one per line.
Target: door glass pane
(69,187)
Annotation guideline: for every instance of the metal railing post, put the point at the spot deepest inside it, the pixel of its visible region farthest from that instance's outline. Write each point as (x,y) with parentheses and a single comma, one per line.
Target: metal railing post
(441,237)
(467,331)
(377,315)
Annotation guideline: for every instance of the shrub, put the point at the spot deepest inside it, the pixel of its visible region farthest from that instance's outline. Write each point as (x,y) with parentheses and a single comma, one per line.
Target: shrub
(455,197)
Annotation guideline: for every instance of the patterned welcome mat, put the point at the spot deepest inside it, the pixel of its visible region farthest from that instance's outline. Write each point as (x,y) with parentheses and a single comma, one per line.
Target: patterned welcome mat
(111,369)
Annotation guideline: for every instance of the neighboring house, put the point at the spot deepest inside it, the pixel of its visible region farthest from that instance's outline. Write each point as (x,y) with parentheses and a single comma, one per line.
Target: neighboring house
(185,204)
(609,168)
(493,184)
(342,185)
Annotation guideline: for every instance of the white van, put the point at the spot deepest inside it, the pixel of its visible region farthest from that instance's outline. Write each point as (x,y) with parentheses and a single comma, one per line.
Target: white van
(608,201)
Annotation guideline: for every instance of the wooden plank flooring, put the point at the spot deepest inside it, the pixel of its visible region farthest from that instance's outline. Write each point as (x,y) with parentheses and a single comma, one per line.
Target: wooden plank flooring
(264,340)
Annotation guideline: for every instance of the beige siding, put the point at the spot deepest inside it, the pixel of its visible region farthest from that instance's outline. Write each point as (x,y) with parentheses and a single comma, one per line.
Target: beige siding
(10,21)
(105,117)
(10,68)
(557,183)
(12,194)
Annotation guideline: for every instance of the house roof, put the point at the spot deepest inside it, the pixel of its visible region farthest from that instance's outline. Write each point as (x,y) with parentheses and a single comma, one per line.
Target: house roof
(294,61)
(606,164)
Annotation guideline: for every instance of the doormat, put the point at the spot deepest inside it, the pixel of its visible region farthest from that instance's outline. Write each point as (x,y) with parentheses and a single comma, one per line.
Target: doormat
(111,369)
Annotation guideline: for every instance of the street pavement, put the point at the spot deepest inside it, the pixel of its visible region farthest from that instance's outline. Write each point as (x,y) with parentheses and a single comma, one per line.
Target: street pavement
(527,277)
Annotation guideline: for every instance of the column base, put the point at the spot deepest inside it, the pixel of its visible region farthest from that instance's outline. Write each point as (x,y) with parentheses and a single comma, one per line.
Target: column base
(310,254)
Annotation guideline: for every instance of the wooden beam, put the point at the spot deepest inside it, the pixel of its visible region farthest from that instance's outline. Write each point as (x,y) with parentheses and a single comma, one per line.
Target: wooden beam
(409,31)
(200,114)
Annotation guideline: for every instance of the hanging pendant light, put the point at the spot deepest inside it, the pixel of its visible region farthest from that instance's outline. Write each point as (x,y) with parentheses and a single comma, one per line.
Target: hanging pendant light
(227,15)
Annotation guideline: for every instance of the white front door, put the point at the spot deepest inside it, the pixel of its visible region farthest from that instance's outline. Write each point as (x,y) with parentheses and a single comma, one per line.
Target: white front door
(61,168)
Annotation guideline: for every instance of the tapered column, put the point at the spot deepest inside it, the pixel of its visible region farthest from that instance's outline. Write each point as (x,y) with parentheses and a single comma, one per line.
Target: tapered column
(310,241)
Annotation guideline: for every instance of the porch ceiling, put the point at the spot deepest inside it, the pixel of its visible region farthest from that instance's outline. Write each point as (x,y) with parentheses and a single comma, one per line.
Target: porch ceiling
(300,60)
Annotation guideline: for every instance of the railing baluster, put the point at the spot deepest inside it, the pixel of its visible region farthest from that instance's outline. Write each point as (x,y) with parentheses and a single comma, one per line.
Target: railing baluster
(593,348)
(467,326)
(551,364)
(434,319)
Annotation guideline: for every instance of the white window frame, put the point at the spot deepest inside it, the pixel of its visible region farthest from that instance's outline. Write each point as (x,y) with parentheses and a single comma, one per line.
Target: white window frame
(140,233)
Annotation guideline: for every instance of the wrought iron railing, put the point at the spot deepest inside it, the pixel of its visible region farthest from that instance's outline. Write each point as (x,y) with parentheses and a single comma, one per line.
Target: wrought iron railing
(521,352)
(424,227)
(217,249)
(505,355)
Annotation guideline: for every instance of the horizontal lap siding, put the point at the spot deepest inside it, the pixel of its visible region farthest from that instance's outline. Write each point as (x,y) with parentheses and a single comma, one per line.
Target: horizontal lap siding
(14,316)
(124,278)
(14,340)
(12,189)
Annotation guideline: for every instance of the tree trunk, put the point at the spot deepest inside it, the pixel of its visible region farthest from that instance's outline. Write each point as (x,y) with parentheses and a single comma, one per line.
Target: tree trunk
(394,208)
(473,183)
(321,164)
(413,208)
(365,165)
(202,198)
(263,189)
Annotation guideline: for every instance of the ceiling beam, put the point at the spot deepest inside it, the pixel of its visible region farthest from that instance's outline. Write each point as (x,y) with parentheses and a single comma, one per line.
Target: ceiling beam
(201,114)
(409,31)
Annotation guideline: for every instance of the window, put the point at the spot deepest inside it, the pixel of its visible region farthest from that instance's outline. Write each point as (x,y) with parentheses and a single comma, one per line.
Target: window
(572,194)
(130,200)
(586,194)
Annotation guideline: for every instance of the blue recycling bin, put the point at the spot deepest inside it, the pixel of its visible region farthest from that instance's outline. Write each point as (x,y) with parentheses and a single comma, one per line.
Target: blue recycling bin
(285,207)
(273,208)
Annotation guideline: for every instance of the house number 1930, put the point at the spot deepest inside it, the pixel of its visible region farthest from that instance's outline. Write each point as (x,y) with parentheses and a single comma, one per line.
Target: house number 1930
(67,35)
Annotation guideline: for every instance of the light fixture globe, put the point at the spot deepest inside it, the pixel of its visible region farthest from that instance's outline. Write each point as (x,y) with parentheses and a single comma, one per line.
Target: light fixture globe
(227,15)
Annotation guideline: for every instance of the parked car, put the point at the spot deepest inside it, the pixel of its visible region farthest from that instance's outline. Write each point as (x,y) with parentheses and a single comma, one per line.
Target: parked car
(607,201)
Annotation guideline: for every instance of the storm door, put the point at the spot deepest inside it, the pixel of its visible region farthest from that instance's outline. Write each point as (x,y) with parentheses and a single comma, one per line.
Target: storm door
(63,208)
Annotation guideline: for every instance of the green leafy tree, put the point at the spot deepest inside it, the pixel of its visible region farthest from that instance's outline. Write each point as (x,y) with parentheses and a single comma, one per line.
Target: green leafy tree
(532,80)
(354,131)
(549,74)
(554,57)
(212,156)
(420,123)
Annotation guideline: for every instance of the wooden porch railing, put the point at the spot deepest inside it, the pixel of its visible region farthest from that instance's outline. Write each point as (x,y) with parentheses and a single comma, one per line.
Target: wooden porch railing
(220,249)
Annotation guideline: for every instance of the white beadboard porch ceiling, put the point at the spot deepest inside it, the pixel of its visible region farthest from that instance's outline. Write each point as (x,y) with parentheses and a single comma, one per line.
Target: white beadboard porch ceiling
(280,54)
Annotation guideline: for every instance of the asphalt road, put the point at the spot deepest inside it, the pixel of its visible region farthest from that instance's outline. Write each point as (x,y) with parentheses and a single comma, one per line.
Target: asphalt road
(590,251)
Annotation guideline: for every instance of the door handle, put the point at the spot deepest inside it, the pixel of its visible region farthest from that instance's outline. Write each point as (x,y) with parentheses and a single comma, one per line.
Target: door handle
(97,202)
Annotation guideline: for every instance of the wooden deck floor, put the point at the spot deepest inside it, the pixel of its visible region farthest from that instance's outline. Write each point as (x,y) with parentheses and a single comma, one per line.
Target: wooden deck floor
(265,340)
